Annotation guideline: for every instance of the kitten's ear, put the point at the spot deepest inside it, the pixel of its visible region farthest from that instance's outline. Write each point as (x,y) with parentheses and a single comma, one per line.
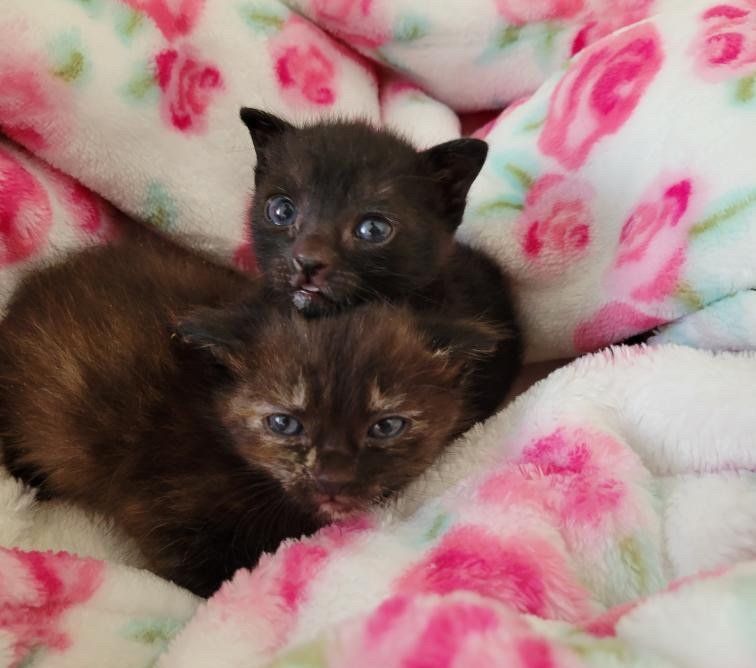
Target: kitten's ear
(455,165)
(263,127)
(464,340)
(213,333)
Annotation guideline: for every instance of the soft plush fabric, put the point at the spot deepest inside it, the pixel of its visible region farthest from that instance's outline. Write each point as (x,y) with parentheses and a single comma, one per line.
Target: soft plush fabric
(588,495)
(620,194)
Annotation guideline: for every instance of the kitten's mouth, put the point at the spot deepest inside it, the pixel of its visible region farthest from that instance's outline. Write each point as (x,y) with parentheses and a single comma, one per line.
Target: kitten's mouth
(310,296)
(338,507)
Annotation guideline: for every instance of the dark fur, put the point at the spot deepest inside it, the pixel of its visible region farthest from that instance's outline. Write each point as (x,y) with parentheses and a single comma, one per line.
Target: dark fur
(134,381)
(336,173)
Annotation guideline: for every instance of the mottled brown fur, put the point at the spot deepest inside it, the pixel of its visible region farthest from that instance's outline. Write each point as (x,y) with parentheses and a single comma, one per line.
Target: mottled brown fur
(135,380)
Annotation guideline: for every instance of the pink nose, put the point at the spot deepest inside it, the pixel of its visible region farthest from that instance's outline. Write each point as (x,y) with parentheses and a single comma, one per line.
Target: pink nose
(311,267)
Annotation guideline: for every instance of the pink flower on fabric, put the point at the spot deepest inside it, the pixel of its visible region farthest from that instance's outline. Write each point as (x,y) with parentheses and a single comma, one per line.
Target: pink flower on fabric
(174,18)
(25,212)
(524,571)
(650,257)
(36,591)
(652,246)
(188,85)
(89,212)
(726,43)
(578,466)
(610,324)
(34,105)
(576,474)
(353,21)
(599,93)
(304,61)
(608,17)
(555,225)
(520,12)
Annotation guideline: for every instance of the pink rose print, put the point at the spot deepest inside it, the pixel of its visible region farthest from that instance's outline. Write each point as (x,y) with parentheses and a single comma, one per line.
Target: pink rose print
(520,12)
(305,64)
(610,324)
(188,85)
(599,93)
(580,469)
(652,246)
(726,44)
(92,215)
(554,228)
(524,571)
(36,591)
(608,17)
(174,18)
(34,106)
(25,212)
(353,21)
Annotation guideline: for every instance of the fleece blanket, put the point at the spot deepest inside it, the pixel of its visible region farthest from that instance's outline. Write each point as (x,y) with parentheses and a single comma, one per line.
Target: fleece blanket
(599,520)
(606,518)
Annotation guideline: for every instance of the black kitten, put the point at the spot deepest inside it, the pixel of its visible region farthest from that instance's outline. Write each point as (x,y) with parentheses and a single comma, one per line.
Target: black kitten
(346,213)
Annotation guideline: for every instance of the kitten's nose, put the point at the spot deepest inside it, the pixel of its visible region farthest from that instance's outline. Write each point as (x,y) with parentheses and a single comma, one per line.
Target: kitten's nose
(309,265)
(332,481)
(329,487)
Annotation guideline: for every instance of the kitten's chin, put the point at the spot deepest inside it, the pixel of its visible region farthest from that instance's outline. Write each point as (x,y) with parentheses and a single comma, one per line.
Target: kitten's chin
(312,303)
(333,510)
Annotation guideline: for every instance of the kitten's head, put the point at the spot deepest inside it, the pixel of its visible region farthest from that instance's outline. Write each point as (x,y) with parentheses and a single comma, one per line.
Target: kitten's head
(346,410)
(345,213)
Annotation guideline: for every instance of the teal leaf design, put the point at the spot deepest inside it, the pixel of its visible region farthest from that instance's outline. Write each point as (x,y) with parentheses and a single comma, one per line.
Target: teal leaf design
(437,527)
(508,36)
(141,85)
(263,18)
(92,7)
(409,29)
(152,631)
(159,209)
(311,655)
(524,179)
(745,91)
(719,217)
(497,207)
(69,61)
(128,23)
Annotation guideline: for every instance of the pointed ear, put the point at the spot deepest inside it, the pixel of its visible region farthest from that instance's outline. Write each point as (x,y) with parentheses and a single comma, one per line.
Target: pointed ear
(463,340)
(216,334)
(455,165)
(263,127)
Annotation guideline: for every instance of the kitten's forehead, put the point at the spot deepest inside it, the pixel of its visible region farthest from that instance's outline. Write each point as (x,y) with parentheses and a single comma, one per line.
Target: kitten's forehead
(368,360)
(346,157)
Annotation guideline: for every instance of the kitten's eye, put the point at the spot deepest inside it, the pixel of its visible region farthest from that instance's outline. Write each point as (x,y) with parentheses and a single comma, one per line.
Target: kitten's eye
(280,210)
(373,229)
(388,427)
(283,424)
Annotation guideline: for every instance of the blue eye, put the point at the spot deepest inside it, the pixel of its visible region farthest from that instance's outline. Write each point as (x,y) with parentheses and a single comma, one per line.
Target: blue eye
(283,424)
(373,229)
(280,210)
(388,427)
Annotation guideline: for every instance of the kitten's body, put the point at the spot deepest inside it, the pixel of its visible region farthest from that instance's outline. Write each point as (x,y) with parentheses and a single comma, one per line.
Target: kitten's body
(335,176)
(108,403)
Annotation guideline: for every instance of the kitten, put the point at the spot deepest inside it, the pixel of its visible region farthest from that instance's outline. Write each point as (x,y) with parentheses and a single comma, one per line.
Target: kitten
(345,213)
(143,381)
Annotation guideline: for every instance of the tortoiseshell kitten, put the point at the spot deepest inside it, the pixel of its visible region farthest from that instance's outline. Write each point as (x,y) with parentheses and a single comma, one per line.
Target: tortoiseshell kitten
(142,381)
(345,213)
